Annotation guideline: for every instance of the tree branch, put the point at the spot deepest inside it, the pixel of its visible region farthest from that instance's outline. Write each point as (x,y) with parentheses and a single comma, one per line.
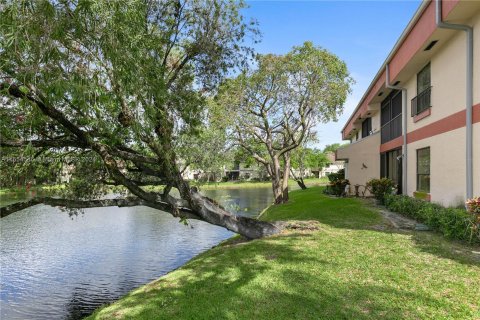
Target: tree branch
(51,143)
(82,204)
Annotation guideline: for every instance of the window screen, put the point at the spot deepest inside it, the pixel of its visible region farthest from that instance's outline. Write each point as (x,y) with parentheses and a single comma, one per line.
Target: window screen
(423,79)
(423,170)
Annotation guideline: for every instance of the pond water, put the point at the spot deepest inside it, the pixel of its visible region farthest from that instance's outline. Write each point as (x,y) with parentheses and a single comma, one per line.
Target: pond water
(58,267)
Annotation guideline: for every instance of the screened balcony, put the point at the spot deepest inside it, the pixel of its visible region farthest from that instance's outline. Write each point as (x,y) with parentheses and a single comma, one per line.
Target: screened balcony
(391,117)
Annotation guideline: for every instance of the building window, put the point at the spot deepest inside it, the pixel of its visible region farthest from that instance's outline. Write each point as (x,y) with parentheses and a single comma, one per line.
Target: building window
(366,127)
(391,117)
(356,136)
(423,169)
(422,101)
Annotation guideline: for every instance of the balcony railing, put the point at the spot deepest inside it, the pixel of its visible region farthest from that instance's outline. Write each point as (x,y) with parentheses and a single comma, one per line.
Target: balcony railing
(421,102)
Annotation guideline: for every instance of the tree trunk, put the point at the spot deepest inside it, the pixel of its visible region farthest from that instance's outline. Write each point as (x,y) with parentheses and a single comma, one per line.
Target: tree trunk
(286,175)
(212,213)
(277,182)
(207,209)
(299,180)
(277,189)
(301,184)
(202,208)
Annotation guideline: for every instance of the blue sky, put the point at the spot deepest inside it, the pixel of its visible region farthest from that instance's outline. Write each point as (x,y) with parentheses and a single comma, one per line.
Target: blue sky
(361,33)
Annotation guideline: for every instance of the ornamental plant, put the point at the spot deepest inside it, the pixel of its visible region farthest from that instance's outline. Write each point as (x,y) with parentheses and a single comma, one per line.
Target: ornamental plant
(337,183)
(380,188)
(473,207)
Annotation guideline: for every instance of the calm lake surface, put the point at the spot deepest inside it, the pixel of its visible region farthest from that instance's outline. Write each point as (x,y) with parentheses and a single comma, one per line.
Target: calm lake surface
(58,267)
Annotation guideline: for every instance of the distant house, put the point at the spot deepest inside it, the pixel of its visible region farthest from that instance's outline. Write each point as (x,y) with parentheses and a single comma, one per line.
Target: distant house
(199,174)
(333,167)
(191,174)
(241,171)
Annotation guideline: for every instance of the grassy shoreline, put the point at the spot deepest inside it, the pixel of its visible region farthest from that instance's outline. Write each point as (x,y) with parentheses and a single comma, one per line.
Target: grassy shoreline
(338,260)
(206,186)
(255,184)
(39,188)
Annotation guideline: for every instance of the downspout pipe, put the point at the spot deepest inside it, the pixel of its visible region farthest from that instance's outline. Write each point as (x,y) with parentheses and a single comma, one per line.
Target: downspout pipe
(468,94)
(404,127)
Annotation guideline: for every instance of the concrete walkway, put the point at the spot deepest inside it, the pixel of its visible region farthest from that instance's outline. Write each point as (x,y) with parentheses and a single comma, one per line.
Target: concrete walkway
(398,221)
(401,222)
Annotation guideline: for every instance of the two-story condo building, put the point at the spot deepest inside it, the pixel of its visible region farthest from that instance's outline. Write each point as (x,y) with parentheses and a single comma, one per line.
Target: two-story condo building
(418,123)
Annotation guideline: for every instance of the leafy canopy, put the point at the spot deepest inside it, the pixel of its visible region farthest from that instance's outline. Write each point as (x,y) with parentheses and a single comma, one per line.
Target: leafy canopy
(128,75)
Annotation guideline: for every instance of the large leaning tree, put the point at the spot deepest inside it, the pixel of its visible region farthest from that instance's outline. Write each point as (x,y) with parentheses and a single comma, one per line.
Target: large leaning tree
(114,86)
(273,108)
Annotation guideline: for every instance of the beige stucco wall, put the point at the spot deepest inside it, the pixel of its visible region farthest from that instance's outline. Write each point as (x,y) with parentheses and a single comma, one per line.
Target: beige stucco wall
(476,159)
(448,80)
(447,69)
(447,150)
(361,154)
(447,167)
(476,65)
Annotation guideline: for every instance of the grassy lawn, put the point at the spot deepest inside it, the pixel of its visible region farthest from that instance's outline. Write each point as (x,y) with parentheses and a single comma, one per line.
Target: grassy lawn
(351,266)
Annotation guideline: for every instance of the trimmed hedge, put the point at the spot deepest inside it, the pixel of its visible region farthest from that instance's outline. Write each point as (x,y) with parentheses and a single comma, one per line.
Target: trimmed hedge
(452,223)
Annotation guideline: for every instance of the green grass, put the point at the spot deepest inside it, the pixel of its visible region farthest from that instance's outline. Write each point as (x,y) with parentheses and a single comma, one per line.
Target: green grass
(39,188)
(203,186)
(351,267)
(311,204)
(255,184)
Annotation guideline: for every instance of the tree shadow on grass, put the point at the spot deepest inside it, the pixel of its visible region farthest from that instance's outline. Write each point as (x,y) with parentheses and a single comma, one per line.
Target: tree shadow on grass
(360,214)
(219,285)
(434,243)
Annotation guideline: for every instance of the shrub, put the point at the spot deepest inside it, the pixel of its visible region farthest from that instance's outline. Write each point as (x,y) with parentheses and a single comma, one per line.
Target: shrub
(338,186)
(380,188)
(340,175)
(337,183)
(473,207)
(451,222)
(260,179)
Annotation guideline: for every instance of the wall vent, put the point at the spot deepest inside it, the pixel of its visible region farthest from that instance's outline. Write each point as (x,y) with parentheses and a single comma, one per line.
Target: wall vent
(430,45)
